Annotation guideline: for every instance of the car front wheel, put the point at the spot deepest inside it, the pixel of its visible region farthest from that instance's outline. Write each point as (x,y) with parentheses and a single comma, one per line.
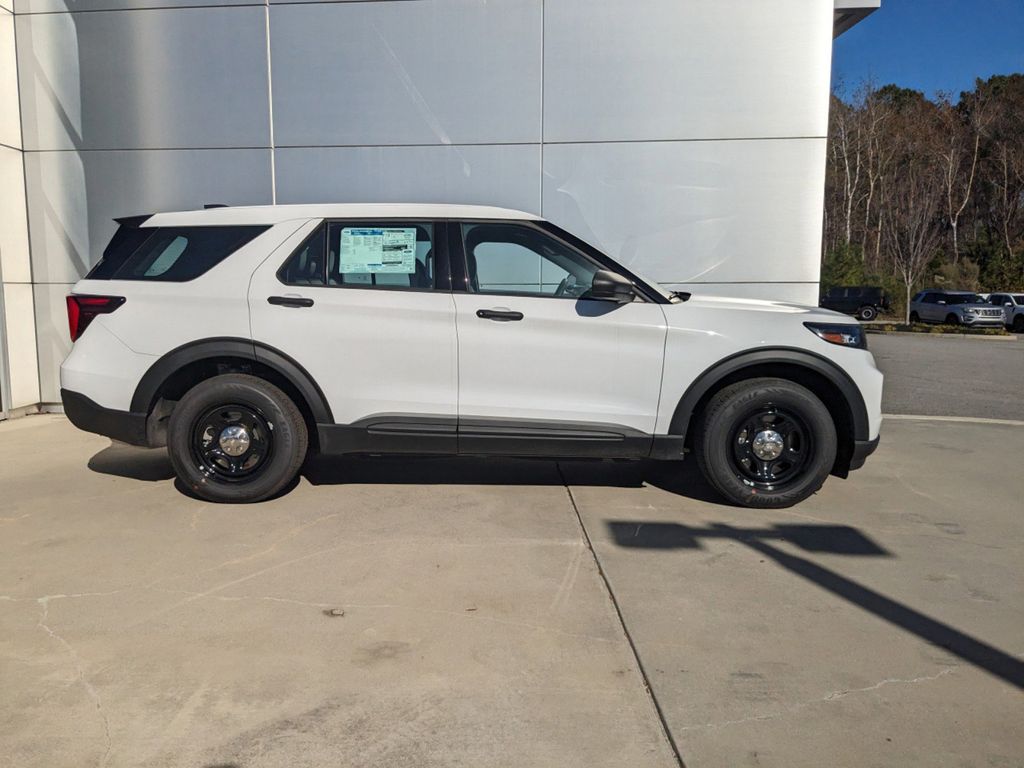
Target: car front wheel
(236,438)
(766,443)
(952,319)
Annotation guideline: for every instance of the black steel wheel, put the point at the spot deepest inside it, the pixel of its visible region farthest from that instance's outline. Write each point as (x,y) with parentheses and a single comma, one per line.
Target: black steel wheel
(232,442)
(771,446)
(766,443)
(236,438)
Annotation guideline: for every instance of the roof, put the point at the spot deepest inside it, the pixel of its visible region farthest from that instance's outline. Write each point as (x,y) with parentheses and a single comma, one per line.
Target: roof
(847,13)
(273,214)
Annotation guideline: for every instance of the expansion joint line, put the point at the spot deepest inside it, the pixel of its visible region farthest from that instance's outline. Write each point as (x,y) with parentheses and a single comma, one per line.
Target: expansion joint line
(622,623)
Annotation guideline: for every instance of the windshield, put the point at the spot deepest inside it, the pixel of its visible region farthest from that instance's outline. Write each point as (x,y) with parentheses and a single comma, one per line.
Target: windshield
(1018,298)
(964,298)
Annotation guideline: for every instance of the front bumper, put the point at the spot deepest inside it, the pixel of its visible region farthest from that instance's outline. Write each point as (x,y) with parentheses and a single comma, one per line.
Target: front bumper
(861,450)
(988,322)
(88,415)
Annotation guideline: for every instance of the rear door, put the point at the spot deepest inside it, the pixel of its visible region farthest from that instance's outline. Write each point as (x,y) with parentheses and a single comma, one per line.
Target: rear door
(366,308)
(543,370)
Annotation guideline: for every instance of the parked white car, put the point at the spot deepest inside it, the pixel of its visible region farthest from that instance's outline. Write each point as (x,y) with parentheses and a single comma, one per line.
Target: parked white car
(1013,309)
(243,338)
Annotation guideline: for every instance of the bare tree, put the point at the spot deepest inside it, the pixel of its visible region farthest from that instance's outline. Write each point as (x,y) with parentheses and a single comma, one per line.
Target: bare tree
(914,198)
(962,127)
(911,218)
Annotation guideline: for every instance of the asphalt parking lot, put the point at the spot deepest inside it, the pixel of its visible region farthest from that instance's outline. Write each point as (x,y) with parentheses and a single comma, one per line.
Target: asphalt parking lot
(949,375)
(463,612)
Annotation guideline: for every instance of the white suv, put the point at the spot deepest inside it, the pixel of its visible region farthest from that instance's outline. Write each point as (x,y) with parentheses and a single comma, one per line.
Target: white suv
(243,338)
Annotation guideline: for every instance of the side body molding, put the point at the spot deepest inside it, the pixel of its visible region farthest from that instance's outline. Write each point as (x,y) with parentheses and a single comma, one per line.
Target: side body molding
(783,356)
(244,349)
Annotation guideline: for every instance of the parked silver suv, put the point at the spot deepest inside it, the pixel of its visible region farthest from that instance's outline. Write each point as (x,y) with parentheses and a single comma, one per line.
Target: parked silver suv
(954,308)
(1013,309)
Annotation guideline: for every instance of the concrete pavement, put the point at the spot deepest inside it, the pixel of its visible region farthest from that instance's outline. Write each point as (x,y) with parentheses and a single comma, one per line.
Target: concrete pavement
(438,612)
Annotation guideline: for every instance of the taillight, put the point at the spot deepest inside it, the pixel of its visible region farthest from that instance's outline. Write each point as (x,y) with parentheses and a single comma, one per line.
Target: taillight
(82,309)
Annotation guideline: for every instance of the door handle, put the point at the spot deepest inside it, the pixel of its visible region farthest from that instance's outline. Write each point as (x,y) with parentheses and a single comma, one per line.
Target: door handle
(501,315)
(289,301)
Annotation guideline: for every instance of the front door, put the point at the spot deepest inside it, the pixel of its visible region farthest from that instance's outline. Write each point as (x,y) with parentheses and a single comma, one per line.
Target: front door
(543,370)
(931,309)
(360,306)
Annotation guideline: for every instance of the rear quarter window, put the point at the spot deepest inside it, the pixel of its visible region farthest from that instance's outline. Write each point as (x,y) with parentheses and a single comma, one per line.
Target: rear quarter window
(169,254)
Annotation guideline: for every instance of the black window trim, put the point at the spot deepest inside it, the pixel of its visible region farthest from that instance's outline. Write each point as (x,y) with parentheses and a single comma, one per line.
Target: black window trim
(460,264)
(442,272)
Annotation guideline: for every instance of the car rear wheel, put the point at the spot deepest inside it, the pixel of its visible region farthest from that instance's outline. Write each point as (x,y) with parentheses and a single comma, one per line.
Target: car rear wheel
(236,438)
(867,313)
(766,443)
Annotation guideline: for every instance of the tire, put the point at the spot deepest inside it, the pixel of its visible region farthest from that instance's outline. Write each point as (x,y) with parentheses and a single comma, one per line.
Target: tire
(272,444)
(723,436)
(952,319)
(1018,324)
(867,313)
(914,318)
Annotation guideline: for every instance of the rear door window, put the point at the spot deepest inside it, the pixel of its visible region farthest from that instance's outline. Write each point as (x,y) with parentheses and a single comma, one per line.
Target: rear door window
(169,254)
(365,254)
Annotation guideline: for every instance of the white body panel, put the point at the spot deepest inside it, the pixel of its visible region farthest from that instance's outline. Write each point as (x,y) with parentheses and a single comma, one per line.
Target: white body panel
(159,316)
(103,368)
(412,352)
(705,330)
(371,351)
(566,360)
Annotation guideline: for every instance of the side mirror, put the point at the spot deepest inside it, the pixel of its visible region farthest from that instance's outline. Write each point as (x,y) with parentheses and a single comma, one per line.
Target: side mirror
(608,286)
(1008,305)
(941,301)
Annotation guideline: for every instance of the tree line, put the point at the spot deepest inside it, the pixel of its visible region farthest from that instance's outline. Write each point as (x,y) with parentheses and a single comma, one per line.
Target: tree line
(926,192)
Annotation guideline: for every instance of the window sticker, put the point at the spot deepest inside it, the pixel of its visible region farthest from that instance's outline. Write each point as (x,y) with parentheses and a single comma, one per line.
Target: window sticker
(378,250)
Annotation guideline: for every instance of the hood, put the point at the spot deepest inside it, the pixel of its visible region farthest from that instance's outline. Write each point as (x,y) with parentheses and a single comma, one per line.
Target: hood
(808,313)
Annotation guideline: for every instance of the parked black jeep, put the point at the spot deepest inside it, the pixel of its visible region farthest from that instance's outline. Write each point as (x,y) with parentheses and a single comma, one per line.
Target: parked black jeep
(862,301)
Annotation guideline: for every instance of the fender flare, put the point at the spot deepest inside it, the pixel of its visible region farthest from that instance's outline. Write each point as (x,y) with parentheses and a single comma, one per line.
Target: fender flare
(246,349)
(768,356)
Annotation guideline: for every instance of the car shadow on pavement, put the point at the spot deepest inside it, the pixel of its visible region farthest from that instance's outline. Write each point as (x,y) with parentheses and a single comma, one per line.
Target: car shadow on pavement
(826,539)
(679,477)
(121,460)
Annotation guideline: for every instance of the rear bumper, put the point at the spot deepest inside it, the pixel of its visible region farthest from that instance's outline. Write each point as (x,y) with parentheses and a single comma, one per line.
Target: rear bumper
(88,415)
(861,450)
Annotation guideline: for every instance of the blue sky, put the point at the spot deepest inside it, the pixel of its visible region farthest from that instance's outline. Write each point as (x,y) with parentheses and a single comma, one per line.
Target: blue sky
(933,45)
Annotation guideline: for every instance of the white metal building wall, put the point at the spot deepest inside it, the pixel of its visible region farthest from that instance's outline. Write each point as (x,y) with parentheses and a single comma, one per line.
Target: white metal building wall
(687,140)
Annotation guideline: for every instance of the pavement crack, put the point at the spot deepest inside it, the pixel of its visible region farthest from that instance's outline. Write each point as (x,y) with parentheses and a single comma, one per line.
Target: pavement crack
(834,696)
(90,690)
(291,533)
(889,681)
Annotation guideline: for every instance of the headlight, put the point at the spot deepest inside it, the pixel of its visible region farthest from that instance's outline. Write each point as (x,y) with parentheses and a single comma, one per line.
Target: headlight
(971,311)
(843,335)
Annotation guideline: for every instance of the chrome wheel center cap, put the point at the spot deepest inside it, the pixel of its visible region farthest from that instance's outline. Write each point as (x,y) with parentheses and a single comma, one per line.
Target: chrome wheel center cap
(234,440)
(768,445)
